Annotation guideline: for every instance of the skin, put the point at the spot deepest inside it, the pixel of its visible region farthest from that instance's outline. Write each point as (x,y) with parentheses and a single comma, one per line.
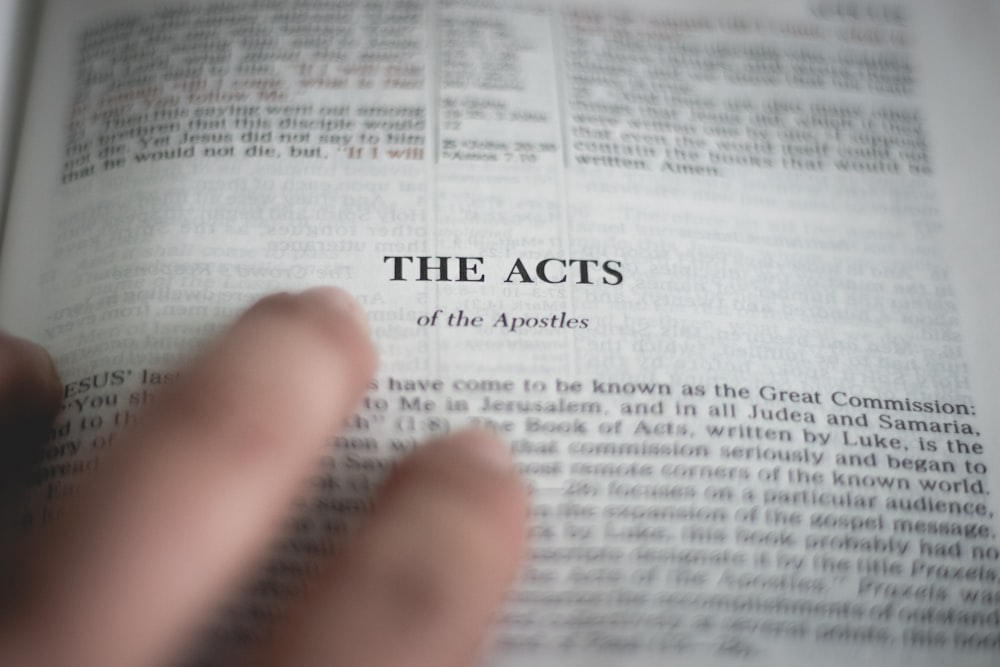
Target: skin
(183,510)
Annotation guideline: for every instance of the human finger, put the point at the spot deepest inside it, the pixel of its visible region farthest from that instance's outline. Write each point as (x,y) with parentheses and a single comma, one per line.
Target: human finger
(30,394)
(198,489)
(30,391)
(424,579)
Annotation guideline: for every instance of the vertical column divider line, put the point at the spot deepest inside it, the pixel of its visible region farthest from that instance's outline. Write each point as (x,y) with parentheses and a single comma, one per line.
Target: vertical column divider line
(432,31)
(558,52)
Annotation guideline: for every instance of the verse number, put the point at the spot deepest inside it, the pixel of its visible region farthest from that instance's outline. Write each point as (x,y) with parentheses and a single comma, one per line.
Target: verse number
(579,488)
(520,157)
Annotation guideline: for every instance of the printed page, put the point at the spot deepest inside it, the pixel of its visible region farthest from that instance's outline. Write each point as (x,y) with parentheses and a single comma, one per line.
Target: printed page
(724,281)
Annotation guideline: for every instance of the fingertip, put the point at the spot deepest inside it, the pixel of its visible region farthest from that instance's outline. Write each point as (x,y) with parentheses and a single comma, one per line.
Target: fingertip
(30,397)
(347,321)
(475,448)
(427,575)
(290,363)
(476,467)
(339,302)
(334,312)
(28,378)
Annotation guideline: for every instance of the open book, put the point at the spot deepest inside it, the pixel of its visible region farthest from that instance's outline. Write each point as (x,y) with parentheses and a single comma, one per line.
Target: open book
(724,277)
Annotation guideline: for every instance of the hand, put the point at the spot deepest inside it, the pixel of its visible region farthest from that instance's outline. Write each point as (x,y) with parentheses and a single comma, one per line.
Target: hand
(184,509)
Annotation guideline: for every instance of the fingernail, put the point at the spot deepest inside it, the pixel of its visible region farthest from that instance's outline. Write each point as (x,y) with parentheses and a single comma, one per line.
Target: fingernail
(45,362)
(339,301)
(486,447)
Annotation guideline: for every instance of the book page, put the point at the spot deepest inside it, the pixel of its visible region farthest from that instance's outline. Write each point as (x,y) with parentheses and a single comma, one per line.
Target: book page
(724,280)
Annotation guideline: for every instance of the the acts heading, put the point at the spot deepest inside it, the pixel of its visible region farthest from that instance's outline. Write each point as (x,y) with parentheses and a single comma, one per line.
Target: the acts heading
(552,270)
